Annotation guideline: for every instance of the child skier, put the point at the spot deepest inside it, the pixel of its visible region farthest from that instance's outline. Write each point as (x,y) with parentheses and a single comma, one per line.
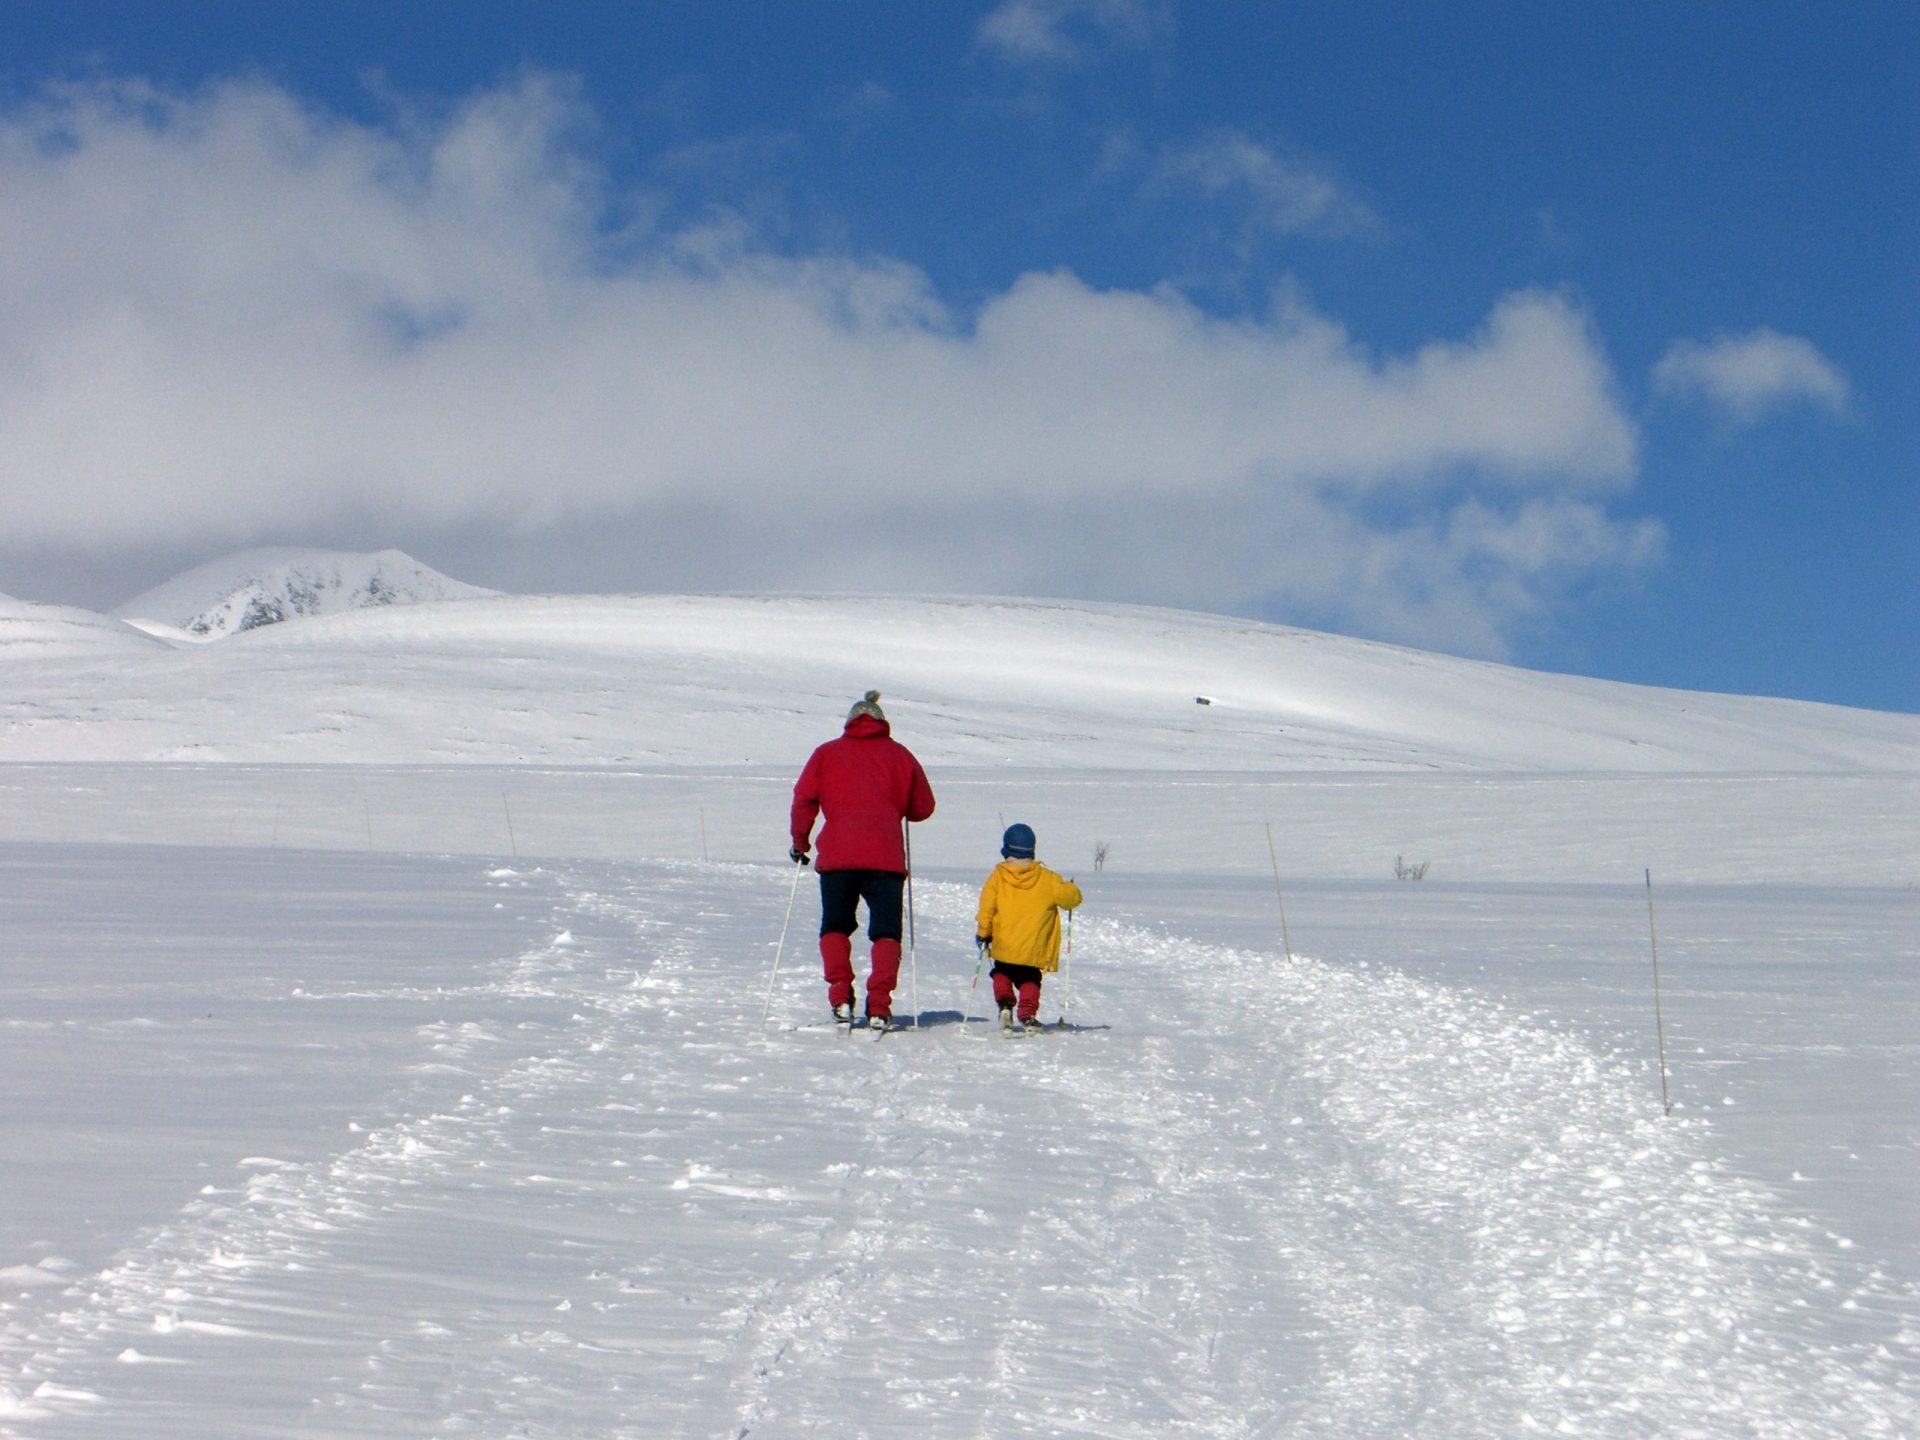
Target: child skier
(1019,926)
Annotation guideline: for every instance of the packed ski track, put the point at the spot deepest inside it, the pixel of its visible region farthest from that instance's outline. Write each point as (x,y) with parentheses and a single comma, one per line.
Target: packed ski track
(1237,1194)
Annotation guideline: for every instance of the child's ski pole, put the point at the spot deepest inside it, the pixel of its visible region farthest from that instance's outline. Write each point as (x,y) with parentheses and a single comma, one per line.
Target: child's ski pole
(1066,975)
(981,947)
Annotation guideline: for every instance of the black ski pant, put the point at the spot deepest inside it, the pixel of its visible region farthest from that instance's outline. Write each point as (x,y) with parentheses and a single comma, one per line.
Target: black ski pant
(841,892)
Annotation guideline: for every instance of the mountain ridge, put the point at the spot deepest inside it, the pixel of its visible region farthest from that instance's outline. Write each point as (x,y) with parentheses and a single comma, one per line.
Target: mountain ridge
(730,680)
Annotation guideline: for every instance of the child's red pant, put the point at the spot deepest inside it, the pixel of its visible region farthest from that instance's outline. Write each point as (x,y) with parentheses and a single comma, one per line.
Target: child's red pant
(1021,981)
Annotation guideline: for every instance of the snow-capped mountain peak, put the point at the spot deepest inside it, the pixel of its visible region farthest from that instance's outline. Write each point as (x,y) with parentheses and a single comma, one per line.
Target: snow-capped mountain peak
(265,586)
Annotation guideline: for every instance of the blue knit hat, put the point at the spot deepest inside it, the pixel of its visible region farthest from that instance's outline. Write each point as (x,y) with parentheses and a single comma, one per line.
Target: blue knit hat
(1017,843)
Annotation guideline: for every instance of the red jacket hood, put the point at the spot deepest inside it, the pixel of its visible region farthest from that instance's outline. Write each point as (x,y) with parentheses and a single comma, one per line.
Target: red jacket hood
(865,727)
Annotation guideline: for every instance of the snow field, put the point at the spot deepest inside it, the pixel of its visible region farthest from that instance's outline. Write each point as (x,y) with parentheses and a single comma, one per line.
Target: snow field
(582,1191)
(692,680)
(1851,831)
(420,1088)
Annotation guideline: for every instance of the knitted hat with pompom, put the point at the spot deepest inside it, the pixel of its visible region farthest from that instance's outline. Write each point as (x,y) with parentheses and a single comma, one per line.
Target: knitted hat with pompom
(869,706)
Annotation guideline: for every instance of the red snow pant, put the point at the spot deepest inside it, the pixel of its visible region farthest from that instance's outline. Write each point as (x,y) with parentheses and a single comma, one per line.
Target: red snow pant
(840,894)
(1021,979)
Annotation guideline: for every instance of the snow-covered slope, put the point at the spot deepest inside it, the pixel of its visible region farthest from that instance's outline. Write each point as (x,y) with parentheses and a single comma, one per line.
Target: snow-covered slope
(457,1148)
(727,680)
(30,630)
(265,586)
(500,1102)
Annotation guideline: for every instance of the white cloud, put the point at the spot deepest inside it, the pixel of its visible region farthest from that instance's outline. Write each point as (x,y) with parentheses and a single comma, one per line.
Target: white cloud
(1052,32)
(1280,194)
(1752,375)
(224,318)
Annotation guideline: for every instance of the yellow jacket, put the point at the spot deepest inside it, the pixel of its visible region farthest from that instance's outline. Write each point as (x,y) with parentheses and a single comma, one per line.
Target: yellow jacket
(1020,913)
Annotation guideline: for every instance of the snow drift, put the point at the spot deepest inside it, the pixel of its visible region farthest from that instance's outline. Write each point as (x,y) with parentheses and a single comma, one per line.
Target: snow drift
(30,630)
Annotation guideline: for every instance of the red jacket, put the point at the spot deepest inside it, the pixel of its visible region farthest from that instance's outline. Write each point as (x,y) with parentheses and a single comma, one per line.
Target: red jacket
(866,783)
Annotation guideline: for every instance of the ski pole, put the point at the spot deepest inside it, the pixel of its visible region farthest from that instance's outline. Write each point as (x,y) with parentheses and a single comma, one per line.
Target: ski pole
(1066,973)
(792,891)
(980,947)
(913,954)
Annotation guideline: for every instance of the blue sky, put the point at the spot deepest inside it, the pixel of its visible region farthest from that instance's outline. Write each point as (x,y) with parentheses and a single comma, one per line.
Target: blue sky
(1581,337)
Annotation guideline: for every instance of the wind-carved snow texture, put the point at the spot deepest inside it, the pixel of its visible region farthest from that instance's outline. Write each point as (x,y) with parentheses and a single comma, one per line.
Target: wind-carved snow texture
(1237,1196)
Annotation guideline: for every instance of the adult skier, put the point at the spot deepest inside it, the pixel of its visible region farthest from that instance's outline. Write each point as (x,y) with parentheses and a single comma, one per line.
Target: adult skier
(867,785)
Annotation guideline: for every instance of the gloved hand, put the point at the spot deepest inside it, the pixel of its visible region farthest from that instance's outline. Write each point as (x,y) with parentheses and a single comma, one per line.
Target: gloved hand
(982,941)
(797,855)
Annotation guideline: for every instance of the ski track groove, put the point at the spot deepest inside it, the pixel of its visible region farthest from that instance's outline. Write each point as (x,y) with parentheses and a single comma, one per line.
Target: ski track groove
(1300,1200)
